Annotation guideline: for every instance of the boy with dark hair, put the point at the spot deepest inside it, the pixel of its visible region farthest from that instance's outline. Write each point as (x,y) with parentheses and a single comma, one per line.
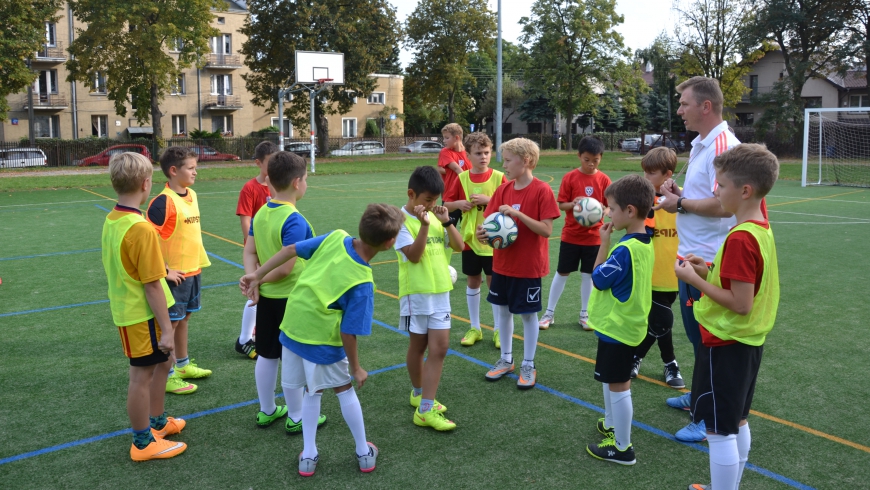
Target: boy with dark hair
(423,248)
(332,303)
(579,245)
(736,312)
(619,309)
(254,194)
(175,215)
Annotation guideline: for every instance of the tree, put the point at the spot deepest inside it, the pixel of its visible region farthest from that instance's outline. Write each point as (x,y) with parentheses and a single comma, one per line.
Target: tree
(421,117)
(662,102)
(859,31)
(575,54)
(366,31)
(512,96)
(392,65)
(536,107)
(22,33)
(127,42)
(482,65)
(442,34)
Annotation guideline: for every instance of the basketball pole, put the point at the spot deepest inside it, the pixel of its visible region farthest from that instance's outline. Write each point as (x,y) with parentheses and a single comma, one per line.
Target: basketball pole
(498,90)
(311,95)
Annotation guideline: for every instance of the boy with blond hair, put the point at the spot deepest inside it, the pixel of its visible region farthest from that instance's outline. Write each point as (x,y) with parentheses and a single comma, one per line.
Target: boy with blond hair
(736,312)
(139,299)
(518,269)
(452,160)
(175,215)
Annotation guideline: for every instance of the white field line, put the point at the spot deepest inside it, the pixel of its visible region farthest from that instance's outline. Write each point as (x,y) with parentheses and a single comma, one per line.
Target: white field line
(819,223)
(820,199)
(862,220)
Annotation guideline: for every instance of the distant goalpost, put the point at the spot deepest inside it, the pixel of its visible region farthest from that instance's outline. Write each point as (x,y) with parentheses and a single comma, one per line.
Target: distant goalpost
(836,147)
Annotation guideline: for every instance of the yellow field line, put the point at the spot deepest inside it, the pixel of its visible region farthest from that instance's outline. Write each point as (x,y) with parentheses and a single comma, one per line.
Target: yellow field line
(814,198)
(222,238)
(98,195)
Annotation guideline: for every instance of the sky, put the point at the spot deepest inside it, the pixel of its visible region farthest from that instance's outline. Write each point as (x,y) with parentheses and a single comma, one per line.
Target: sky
(644,20)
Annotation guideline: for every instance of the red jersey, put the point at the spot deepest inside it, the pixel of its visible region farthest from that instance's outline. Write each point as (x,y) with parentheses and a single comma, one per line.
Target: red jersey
(447,156)
(457,193)
(577,184)
(529,256)
(252,197)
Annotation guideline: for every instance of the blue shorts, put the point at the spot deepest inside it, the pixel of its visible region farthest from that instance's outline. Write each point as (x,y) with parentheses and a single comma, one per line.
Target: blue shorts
(186,297)
(520,294)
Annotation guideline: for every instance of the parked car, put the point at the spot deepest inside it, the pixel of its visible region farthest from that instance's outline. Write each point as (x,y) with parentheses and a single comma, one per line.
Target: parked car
(422,147)
(102,158)
(630,144)
(656,140)
(302,149)
(22,157)
(209,154)
(359,148)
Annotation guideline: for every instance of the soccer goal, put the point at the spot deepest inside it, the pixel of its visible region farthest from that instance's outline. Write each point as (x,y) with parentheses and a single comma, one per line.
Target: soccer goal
(836,147)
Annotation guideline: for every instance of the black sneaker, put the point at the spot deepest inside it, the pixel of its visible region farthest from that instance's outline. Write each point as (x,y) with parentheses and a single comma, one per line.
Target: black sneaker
(636,367)
(673,377)
(607,432)
(248,348)
(607,451)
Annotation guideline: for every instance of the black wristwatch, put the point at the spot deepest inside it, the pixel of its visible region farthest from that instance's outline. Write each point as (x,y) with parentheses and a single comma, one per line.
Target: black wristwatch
(680,208)
(451,221)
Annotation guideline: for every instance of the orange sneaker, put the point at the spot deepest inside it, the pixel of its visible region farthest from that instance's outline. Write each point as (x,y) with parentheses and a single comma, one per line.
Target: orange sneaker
(173,426)
(159,449)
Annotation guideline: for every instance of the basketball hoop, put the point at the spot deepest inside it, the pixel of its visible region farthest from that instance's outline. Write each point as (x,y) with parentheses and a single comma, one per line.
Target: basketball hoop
(323,81)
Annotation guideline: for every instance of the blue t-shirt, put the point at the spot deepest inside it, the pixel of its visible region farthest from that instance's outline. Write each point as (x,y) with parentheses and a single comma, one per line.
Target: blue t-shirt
(295,228)
(615,274)
(357,303)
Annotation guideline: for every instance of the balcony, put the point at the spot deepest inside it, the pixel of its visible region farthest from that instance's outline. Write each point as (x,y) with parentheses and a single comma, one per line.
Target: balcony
(747,98)
(224,61)
(46,102)
(50,54)
(223,102)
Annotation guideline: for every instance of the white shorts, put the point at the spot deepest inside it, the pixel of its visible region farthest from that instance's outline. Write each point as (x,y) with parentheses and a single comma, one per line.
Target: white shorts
(296,372)
(421,324)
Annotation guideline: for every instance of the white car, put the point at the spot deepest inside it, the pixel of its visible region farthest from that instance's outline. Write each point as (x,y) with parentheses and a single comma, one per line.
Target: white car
(359,148)
(422,147)
(22,157)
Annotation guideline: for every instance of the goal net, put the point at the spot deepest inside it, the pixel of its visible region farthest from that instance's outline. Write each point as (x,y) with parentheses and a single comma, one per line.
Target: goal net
(836,147)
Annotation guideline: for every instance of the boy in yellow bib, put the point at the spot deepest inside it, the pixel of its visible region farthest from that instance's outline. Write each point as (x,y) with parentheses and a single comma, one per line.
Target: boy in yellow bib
(736,312)
(424,246)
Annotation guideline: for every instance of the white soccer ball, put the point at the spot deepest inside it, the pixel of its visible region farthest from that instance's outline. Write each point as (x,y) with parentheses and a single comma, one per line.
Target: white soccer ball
(588,212)
(501,230)
(452,273)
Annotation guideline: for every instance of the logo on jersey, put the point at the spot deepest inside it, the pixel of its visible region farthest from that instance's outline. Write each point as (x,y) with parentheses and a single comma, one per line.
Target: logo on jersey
(516,206)
(612,265)
(589,190)
(534,295)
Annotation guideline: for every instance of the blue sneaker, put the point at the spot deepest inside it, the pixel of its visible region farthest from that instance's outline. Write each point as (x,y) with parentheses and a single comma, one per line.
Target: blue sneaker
(692,433)
(682,402)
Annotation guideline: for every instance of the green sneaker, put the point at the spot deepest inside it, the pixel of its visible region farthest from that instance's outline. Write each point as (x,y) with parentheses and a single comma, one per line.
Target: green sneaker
(293,428)
(192,371)
(472,336)
(264,420)
(178,386)
(496,340)
(436,406)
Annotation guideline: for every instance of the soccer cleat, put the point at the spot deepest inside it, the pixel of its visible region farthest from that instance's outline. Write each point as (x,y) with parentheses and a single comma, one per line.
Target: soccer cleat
(682,402)
(173,426)
(192,371)
(528,375)
(158,449)
(496,340)
(178,386)
(307,465)
(248,348)
(367,461)
(545,321)
(264,420)
(415,402)
(433,419)
(293,428)
(635,368)
(698,486)
(501,368)
(673,378)
(583,321)
(692,432)
(607,432)
(471,336)
(607,451)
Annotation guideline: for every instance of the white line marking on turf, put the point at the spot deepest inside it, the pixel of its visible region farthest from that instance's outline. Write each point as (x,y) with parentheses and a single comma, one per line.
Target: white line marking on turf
(49,203)
(865,220)
(820,199)
(819,223)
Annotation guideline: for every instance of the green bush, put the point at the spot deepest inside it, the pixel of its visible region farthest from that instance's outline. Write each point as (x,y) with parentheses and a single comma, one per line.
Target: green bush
(372,130)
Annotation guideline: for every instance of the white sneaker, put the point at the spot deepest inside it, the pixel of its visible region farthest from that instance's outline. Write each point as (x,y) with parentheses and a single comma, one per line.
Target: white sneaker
(546,321)
(583,321)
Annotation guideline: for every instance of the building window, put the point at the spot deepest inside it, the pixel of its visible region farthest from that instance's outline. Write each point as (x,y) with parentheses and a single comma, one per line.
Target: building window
(812,102)
(534,127)
(222,85)
(222,44)
(288,128)
(179,125)
(50,34)
(46,83)
(100,126)
(221,20)
(753,85)
(376,98)
(178,87)
(99,83)
(859,101)
(351,94)
(507,128)
(745,118)
(222,124)
(176,45)
(46,126)
(348,127)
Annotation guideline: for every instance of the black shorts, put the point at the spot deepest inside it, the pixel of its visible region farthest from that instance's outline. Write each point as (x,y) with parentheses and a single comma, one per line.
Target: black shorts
(661,316)
(573,257)
(723,385)
(613,362)
(186,297)
(520,294)
(270,314)
(473,264)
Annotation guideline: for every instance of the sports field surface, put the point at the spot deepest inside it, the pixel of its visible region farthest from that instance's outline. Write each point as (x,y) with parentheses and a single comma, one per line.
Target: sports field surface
(63,375)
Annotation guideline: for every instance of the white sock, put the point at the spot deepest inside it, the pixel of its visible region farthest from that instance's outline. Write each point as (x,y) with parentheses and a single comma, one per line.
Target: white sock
(472,297)
(608,407)
(310,415)
(556,289)
(744,440)
(724,460)
(266,375)
(352,413)
(506,331)
(623,411)
(530,332)
(293,398)
(495,319)
(249,322)
(585,290)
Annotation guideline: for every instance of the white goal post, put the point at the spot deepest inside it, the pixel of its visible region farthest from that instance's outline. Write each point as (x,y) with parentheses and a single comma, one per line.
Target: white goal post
(836,147)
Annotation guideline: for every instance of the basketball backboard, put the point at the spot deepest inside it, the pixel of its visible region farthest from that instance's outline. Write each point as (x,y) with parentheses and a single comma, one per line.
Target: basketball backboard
(312,66)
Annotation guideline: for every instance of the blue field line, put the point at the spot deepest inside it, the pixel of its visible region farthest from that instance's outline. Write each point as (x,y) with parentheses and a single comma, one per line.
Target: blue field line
(104,209)
(71,252)
(228,261)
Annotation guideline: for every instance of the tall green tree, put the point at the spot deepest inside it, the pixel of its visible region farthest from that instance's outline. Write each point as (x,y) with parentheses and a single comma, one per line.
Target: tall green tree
(482,65)
(536,107)
(442,34)
(662,102)
(859,31)
(512,96)
(575,53)
(366,31)
(22,33)
(127,41)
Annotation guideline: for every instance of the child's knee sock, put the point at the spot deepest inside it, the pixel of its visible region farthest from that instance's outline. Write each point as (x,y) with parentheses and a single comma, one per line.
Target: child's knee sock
(495,320)
(724,460)
(530,332)
(353,416)
(505,332)
(744,440)
(608,406)
(472,297)
(623,411)
(266,375)
(556,292)
(310,414)
(293,398)
(585,290)
(249,321)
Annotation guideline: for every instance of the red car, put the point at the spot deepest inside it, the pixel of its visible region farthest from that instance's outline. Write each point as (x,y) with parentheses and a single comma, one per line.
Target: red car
(102,158)
(209,154)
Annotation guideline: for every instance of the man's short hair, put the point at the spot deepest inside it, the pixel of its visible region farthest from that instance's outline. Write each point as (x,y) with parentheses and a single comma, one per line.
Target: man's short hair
(174,156)
(264,149)
(283,168)
(523,148)
(704,88)
(751,164)
(659,159)
(452,129)
(632,190)
(379,223)
(590,144)
(426,179)
(478,139)
(128,171)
